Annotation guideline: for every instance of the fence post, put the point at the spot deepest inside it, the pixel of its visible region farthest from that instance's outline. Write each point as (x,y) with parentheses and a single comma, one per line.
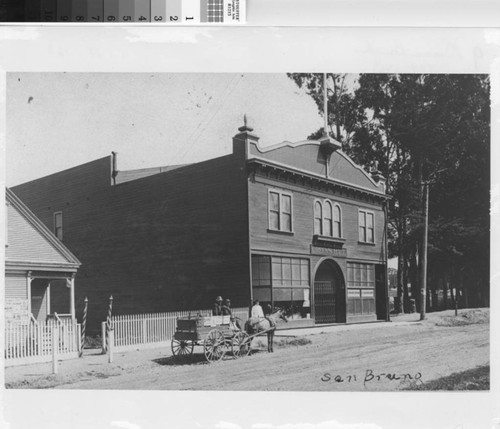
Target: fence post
(103,337)
(144,330)
(111,344)
(55,347)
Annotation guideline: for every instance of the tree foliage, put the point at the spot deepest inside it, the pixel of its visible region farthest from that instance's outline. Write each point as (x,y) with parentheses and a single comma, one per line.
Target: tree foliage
(422,127)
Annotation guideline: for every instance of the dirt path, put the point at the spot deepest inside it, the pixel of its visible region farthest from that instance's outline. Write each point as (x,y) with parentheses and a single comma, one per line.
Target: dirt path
(372,358)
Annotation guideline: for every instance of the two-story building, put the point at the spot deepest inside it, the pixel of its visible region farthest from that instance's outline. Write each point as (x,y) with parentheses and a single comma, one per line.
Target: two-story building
(297,225)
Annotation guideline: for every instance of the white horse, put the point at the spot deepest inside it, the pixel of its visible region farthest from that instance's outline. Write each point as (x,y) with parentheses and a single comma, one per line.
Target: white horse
(268,325)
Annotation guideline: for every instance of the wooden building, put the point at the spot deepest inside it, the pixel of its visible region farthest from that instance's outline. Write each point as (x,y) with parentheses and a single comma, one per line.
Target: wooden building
(297,225)
(39,270)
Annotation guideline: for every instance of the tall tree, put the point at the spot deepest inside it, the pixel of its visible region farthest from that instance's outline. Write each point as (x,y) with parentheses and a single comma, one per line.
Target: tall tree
(422,127)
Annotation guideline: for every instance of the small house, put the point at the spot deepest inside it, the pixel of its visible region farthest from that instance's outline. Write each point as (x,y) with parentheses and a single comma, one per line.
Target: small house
(39,270)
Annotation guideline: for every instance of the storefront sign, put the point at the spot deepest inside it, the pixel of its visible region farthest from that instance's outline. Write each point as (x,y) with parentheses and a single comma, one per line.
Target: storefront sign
(339,253)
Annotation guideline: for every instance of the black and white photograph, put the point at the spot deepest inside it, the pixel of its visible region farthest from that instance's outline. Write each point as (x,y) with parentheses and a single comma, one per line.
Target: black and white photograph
(182,231)
(302,245)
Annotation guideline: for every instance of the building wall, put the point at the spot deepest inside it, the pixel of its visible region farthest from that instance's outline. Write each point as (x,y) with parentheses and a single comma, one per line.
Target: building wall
(303,221)
(25,243)
(169,241)
(300,243)
(16,298)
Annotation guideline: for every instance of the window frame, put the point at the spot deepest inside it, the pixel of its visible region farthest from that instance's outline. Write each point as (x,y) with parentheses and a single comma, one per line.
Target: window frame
(320,218)
(280,211)
(334,206)
(60,227)
(366,212)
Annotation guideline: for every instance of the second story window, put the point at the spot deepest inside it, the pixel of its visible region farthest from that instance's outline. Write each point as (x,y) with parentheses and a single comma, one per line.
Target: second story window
(327,219)
(366,228)
(280,211)
(58,225)
(318,218)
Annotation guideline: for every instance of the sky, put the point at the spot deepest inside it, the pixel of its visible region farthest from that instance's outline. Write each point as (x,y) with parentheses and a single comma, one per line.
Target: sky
(59,120)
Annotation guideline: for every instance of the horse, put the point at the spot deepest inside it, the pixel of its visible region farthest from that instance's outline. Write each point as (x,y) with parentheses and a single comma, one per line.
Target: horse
(268,324)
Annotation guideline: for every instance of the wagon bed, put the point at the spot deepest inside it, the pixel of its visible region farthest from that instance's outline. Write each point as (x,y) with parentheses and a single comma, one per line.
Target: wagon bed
(218,335)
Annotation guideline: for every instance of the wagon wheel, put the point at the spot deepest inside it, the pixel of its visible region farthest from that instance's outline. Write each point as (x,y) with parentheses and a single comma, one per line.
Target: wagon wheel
(214,345)
(241,344)
(182,348)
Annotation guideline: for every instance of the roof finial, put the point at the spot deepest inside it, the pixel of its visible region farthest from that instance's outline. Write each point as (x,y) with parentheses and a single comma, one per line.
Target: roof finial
(245,126)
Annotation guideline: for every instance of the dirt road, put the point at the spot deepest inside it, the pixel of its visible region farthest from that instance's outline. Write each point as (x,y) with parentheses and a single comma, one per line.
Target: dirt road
(373,358)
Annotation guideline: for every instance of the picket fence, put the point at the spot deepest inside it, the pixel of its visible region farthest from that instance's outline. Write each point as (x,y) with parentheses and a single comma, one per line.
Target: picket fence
(32,342)
(135,331)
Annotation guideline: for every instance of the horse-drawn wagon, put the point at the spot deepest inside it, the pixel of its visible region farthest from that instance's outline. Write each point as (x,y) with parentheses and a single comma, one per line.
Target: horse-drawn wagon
(218,335)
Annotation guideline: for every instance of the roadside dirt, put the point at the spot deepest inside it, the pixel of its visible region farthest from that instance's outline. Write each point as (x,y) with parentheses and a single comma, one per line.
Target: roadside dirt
(380,357)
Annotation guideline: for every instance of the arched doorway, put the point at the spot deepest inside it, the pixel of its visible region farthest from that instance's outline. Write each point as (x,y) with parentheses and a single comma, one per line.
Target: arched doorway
(329,293)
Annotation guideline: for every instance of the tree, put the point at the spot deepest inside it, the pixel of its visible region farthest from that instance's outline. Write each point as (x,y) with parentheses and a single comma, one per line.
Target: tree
(416,126)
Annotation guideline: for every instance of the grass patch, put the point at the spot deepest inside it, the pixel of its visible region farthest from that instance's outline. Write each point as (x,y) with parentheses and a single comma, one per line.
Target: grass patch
(472,379)
(464,317)
(296,341)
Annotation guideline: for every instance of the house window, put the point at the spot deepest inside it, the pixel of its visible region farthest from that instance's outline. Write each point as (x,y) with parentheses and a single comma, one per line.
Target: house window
(327,219)
(280,211)
(58,225)
(366,229)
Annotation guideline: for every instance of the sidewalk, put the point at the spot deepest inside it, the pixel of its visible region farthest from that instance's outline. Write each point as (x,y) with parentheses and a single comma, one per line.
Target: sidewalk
(396,320)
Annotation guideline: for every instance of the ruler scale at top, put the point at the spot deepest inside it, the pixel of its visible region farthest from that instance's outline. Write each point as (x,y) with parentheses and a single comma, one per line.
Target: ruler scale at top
(166,12)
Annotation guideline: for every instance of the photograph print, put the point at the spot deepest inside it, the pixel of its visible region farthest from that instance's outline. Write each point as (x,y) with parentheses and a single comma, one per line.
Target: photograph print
(247,231)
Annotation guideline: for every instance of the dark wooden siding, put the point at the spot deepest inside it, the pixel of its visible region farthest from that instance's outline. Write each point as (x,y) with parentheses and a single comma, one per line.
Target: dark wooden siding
(169,241)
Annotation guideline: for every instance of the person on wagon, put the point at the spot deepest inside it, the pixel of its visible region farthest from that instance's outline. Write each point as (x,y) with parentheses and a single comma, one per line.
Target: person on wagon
(226,308)
(227,311)
(217,310)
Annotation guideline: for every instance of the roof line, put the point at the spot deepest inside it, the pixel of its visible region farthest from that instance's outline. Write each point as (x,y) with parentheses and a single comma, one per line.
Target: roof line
(315,143)
(38,225)
(337,181)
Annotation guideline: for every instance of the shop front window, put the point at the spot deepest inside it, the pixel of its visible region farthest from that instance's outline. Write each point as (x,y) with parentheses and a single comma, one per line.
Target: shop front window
(282,282)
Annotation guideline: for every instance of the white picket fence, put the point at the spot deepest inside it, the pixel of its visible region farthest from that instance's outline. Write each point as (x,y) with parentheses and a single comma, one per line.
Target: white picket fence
(32,342)
(135,331)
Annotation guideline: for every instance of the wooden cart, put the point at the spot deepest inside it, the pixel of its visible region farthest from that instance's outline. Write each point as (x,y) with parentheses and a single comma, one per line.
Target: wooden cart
(218,335)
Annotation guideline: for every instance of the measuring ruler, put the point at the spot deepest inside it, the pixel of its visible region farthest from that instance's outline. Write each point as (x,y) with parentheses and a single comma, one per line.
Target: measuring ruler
(171,12)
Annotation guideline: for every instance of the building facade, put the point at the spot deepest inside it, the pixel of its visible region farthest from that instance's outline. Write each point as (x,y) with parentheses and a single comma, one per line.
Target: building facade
(293,225)
(39,270)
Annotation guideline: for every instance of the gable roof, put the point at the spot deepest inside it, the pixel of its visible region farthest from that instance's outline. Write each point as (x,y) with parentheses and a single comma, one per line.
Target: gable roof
(34,245)
(305,156)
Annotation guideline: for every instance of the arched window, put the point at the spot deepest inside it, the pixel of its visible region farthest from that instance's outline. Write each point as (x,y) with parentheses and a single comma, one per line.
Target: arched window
(327,219)
(318,218)
(337,221)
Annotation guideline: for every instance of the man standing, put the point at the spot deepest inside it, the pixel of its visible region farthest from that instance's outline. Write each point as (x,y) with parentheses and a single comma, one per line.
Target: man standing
(257,311)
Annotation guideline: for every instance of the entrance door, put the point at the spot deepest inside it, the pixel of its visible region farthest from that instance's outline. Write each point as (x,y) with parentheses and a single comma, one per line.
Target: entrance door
(329,295)
(39,299)
(324,302)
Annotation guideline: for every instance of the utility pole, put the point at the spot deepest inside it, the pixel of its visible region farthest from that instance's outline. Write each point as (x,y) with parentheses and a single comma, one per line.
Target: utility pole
(423,290)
